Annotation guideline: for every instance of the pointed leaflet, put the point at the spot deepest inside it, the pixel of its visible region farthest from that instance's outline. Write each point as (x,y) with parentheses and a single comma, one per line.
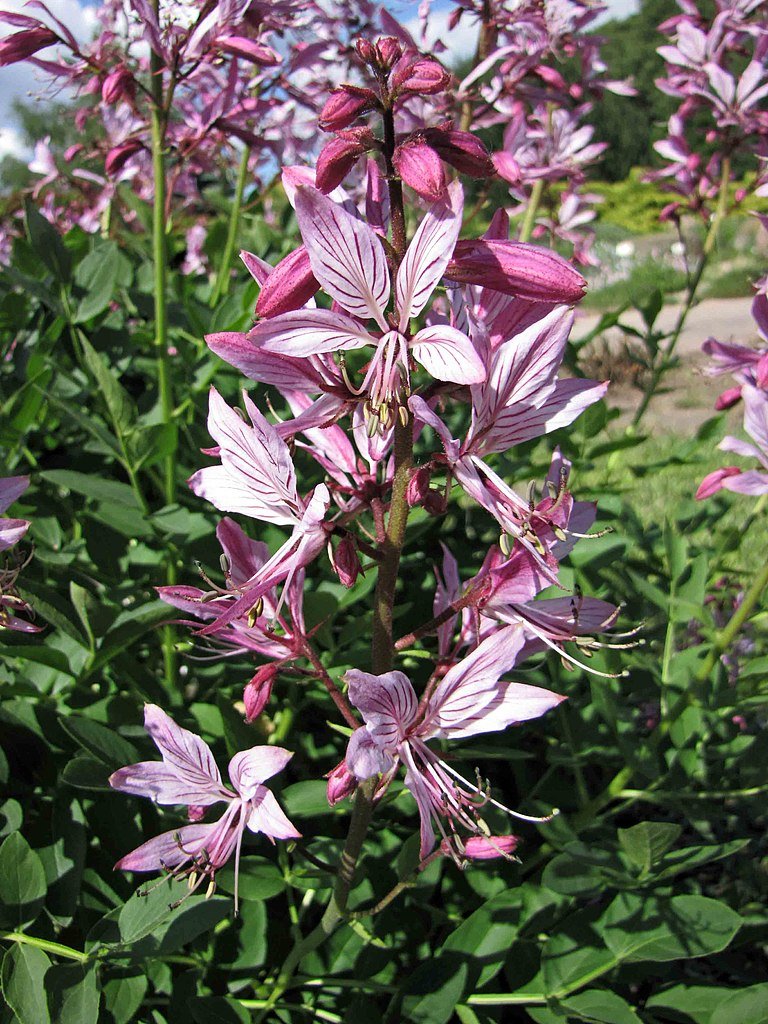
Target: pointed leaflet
(428,254)
(256,476)
(308,332)
(447,354)
(387,703)
(471,699)
(346,255)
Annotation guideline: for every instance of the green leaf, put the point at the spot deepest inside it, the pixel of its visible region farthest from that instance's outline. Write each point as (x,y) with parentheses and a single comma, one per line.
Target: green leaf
(485,937)
(306,799)
(98,275)
(599,1004)
(22,881)
(217,1010)
(73,994)
(119,405)
(690,857)
(91,486)
(85,772)
(575,954)
(582,869)
(23,980)
(747,1006)
(46,242)
(637,928)
(123,995)
(260,879)
(692,1003)
(430,994)
(39,655)
(82,600)
(645,843)
(102,743)
(126,629)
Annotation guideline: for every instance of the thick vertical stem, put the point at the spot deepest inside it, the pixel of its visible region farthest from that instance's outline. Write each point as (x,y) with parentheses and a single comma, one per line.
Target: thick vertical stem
(526,229)
(160,262)
(396,209)
(225,267)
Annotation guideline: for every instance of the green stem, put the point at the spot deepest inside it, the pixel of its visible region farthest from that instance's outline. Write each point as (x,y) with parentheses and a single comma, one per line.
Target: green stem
(158,119)
(728,633)
(526,228)
(47,946)
(662,363)
(225,266)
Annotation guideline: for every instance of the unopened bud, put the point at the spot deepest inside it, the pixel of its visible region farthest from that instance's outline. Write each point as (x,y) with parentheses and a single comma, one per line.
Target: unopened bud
(344,105)
(420,167)
(727,399)
(461,150)
(418,486)
(118,85)
(366,51)
(258,691)
(346,562)
(418,75)
(119,156)
(489,847)
(389,51)
(341,783)
(516,268)
(21,45)
(289,286)
(339,155)
(195,812)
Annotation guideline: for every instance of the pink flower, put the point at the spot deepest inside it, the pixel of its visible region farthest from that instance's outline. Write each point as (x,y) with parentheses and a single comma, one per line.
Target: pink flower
(349,261)
(188,775)
(12,606)
(21,45)
(12,530)
(731,478)
(470,699)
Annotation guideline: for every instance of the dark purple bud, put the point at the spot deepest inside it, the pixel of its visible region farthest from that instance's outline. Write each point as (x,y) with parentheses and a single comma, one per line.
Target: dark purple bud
(420,167)
(346,562)
(366,51)
(344,105)
(119,156)
(341,783)
(339,155)
(461,150)
(289,286)
(516,268)
(21,45)
(258,691)
(418,486)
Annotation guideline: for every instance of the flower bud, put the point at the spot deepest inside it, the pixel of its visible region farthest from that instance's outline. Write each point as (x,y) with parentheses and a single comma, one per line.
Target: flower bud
(418,486)
(119,84)
(461,150)
(516,268)
(258,691)
(422,76)
(289,286)
(346,562)
(249,49)
(420,167)
(338,156)
(713,482)
(344,105)
(366,51)
(486,848)
(21,45)
(728,398)
(341,783)
(119,156)
(389,51)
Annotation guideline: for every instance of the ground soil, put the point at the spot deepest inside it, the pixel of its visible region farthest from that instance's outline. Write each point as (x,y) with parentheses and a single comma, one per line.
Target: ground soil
(688,396)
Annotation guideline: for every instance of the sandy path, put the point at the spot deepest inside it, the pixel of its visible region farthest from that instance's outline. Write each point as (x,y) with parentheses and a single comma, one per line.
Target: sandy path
(689,395)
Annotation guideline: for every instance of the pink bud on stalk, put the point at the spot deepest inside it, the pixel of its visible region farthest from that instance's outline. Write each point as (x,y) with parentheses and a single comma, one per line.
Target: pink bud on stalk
(516,268)
(389,51)
(461,150)
(420,75)
(289,286)
(24,44)
(418,486)
(420,167)
(346,562)
(486,848)
(118,85)
(713,482)
(728,398)
(339,155)
(258,691)
(341,783)
(344,105)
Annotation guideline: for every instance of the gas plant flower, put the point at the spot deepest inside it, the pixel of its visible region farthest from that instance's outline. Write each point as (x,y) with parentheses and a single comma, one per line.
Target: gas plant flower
(256,478)
(348,260)
(470,699)
(12,606)
(731,478)
(12,530)
(188,775)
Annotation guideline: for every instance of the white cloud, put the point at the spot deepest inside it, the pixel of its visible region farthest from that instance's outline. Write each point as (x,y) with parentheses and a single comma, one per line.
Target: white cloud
(461,42)
(12,145)
(22,81)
